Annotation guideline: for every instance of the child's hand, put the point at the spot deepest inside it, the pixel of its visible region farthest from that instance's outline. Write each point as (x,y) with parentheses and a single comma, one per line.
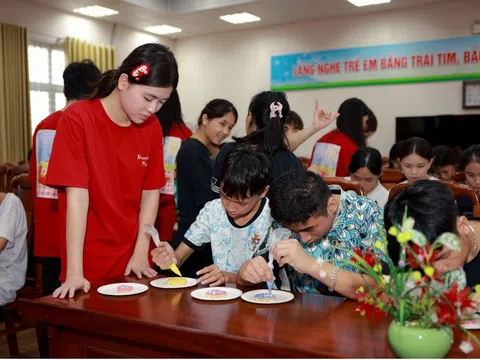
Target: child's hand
(256,271)
(70,286)
(164,256)
(139,265)
(212,275)
(291,252)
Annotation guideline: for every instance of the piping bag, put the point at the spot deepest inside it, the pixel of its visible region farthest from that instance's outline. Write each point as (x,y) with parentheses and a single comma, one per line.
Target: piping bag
(156,239)
(275,236)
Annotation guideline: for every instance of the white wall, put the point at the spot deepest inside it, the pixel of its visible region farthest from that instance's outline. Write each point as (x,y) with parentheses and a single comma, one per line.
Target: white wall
(46,25)
(236,65)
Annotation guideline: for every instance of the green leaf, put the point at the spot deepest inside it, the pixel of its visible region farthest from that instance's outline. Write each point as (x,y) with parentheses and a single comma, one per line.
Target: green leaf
(418,238)
(449,240)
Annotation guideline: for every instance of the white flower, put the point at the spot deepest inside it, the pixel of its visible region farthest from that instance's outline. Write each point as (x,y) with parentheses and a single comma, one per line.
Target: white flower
(325,244)
(320,261)
(323,274)
(466,347)
(408,224)
(434,318)
(420,257)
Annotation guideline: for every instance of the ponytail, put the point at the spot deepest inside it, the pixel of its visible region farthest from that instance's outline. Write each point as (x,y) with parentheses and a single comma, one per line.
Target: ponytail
(268,111)
(106,84)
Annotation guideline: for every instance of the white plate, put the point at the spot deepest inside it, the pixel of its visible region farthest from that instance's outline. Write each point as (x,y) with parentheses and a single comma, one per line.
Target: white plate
(163,283)
(281,297)
(201,294)
(112,289)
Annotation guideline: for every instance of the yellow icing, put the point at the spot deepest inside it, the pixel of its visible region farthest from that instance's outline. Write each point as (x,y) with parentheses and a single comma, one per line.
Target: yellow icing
(177,281)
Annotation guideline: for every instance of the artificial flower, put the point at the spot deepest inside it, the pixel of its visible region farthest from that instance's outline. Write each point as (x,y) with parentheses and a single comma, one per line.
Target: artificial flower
(466,347)
(429,271)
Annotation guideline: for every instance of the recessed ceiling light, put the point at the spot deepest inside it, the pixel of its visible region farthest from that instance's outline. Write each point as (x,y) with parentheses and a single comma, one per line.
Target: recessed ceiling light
(163,29)
(240,18)
(96,11)
(367,2)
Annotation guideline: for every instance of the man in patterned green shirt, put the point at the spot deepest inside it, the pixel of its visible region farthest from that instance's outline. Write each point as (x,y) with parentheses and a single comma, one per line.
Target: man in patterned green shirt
(328,221)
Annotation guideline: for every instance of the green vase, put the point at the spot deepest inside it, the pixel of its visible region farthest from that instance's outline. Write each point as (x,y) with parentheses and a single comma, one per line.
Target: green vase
(417,342)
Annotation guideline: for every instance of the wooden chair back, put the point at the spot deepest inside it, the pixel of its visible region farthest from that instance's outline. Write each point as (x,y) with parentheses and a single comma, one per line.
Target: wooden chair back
(3,178)
(345,184)
(459,177)
(391,176)
(12,172)
(457,190)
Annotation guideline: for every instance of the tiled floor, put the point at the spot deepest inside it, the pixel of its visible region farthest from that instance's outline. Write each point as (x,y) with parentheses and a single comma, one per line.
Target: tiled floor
(27,343)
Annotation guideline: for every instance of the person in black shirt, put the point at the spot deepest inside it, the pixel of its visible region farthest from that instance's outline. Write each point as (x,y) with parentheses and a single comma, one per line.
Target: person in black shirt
(194,173)
(265,132)
(432,206)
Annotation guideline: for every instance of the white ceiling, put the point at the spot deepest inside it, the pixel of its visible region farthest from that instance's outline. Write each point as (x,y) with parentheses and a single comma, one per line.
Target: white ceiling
(198,17)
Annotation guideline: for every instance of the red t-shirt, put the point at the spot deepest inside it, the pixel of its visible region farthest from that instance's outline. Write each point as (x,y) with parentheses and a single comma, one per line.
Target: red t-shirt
(45,199)
(332,154)
(167,214)
(115,164)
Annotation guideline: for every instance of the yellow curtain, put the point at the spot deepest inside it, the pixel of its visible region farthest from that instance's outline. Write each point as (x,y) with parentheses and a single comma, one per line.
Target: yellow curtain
(15,126)
(103,56)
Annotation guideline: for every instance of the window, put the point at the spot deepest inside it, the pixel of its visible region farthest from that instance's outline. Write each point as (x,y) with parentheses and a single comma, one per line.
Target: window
(45,70)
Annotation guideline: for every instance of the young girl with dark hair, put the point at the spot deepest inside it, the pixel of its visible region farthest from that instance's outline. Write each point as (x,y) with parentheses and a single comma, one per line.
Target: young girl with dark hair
(194,173)
(333,151)
(174,133)
(416,158)
(107,162)
(265,131)
(470,164)
(366,169)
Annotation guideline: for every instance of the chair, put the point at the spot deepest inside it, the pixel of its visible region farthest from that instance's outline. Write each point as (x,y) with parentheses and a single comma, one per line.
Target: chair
(304,161)
(3,178)
(11,173)
(346,185)
(457,190)
(390,178)
(459,177)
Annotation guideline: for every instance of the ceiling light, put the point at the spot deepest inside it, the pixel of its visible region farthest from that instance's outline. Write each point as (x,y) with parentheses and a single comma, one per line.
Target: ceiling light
(163,29)
(240,18)
(96,11)
(367,2)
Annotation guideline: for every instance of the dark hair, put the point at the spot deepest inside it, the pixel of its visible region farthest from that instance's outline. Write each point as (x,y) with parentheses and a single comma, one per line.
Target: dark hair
(293,119)
(163,70)
(366,157)
(269,135)
(372,123)
(444,156)
(416,145)
(78,79)
(430,203)
(218,108)
(393,155)
(170,113)
(472,154)
(298,195)
(350,121)
(245,172)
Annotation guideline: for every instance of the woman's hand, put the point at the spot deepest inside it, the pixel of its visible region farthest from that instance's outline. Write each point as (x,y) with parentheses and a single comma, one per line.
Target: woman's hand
(71,285)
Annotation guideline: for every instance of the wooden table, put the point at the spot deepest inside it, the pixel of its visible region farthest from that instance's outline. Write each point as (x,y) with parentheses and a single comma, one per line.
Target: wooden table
(170,323)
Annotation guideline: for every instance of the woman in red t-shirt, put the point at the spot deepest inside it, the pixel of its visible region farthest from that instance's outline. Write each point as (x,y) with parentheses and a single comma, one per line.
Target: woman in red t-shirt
(107,161)
(333,151)
(175,132)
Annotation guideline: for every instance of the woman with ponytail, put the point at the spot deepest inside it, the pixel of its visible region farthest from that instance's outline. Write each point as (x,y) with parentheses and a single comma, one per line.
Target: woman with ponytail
(265,132)
(107,162)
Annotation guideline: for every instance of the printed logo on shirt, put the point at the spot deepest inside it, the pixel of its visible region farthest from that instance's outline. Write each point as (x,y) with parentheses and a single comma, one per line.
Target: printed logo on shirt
(143,159)
(43,150)
(255,241)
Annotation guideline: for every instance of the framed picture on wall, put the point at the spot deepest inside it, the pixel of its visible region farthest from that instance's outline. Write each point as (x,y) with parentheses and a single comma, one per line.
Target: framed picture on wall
(471,94)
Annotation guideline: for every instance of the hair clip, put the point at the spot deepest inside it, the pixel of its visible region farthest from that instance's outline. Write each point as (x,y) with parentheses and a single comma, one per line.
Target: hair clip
(139,71)
(274,107)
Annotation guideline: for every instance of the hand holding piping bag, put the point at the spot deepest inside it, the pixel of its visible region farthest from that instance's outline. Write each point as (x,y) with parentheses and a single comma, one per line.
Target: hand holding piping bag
(275,236)
(156,239)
